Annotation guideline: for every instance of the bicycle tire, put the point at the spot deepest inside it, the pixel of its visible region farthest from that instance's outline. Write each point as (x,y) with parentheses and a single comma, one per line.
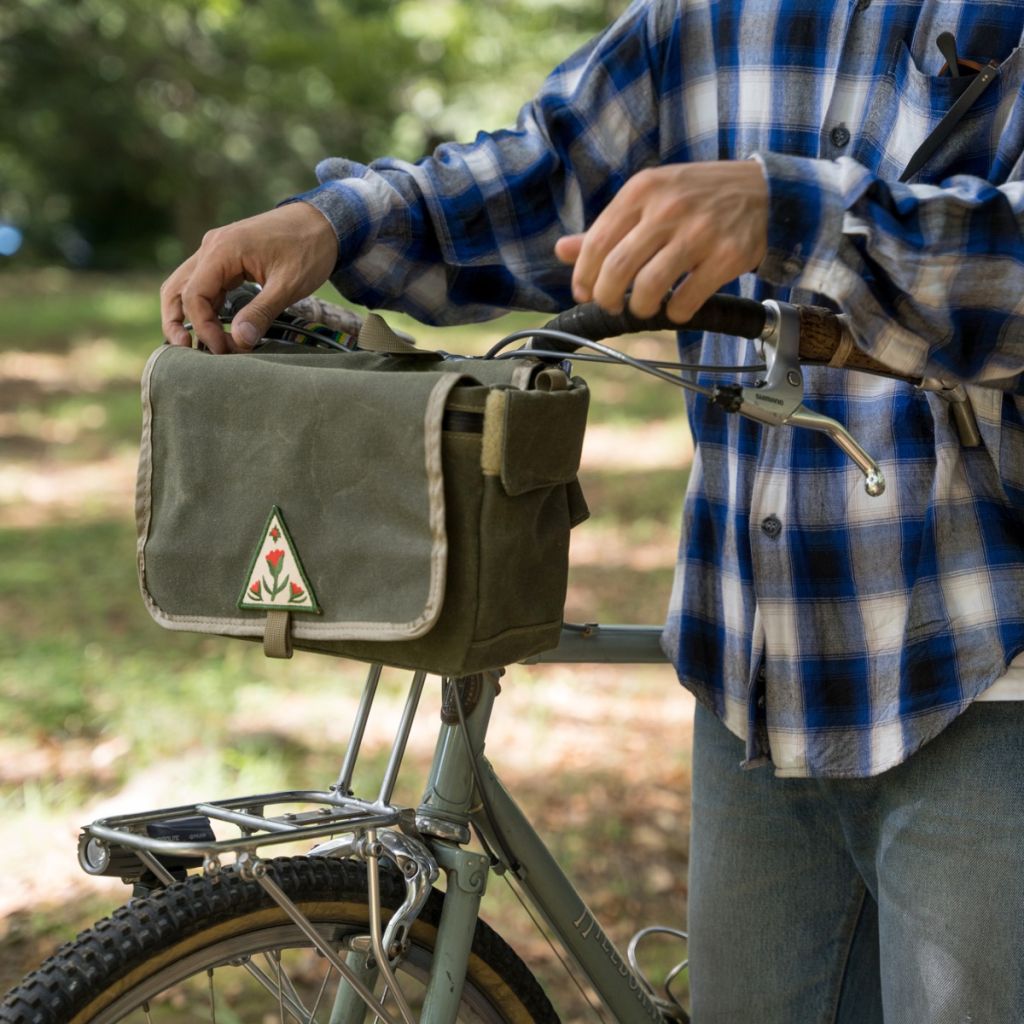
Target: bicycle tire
(154,951)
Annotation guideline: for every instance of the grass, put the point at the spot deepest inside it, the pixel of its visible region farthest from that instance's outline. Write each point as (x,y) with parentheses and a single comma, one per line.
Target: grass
(103,711)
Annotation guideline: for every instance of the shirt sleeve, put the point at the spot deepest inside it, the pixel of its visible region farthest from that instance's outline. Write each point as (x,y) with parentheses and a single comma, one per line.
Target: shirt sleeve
(469,232)
(931,276)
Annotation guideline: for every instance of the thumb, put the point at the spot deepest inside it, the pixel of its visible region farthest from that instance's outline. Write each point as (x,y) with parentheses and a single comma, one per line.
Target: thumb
(252,321)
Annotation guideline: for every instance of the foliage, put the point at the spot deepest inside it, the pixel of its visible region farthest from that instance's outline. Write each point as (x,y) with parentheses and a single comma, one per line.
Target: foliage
(131,126)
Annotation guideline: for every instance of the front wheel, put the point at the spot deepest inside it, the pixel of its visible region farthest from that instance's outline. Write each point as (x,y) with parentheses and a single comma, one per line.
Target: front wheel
(221,949)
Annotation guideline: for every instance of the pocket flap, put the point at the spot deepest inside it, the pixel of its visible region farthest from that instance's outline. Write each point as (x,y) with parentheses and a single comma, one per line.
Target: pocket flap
(542,437)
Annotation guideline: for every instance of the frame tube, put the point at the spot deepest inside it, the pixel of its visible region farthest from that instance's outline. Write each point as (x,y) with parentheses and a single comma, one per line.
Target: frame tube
(555,898)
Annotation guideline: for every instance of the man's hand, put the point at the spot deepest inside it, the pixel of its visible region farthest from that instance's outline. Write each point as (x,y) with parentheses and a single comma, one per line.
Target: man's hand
(290,251)
(708,221)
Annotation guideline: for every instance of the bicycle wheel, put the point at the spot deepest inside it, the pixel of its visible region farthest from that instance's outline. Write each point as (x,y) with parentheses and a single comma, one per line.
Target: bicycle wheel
(221,949)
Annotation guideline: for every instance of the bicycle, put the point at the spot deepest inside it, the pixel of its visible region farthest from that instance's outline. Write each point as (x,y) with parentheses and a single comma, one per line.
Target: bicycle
(326,935)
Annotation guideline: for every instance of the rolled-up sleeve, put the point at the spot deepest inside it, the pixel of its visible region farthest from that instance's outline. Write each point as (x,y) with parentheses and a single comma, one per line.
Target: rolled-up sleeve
(931,276)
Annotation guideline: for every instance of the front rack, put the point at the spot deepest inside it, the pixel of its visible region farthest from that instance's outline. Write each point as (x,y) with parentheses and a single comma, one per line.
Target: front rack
(176,827)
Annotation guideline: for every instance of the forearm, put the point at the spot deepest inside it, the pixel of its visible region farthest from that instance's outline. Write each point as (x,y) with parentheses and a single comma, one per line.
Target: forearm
(470,231)
(930,277)
(442,239)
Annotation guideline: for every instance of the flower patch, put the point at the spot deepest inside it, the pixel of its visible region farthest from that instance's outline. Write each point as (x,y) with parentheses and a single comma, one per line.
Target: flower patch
(276,579)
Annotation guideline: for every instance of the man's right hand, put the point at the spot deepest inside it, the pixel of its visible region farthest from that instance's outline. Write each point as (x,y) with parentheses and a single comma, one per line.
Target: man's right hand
(289,251)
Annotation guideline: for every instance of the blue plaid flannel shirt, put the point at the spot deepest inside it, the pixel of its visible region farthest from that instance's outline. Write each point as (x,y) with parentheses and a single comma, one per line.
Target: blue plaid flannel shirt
(834,631)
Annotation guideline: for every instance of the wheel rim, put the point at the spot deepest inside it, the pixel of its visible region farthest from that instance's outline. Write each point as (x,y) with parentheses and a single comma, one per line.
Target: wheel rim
(214,983)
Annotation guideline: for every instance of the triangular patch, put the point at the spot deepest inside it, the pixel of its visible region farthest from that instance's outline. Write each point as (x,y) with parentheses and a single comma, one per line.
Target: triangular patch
(276,579)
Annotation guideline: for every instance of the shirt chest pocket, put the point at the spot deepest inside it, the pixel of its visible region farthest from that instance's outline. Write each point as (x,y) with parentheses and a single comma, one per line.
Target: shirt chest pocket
(907,105)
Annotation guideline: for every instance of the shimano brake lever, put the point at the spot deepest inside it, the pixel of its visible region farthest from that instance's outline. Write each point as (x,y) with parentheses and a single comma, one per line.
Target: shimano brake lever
(778,399)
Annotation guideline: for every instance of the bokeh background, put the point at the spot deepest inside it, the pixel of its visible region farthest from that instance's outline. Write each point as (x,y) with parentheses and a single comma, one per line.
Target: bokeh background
(128,129)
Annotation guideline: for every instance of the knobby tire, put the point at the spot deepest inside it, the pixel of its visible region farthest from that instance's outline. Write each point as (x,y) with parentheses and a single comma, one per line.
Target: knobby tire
(108,972)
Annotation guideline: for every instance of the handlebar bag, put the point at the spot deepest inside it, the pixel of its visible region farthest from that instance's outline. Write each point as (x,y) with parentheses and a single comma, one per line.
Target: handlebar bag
(411,510)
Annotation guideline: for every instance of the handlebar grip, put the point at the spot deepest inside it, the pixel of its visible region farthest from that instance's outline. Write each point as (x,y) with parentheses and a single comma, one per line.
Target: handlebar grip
(723,314)
(826,340)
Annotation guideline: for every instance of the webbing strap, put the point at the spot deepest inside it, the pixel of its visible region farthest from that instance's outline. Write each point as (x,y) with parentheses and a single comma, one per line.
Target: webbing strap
(277,637)
(376,336)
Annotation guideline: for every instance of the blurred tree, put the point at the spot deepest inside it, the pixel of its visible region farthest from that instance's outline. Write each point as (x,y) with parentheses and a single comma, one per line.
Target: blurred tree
(131,126)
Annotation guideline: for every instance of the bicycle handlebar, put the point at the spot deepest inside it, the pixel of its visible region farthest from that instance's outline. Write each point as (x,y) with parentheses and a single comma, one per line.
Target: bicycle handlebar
(824,337)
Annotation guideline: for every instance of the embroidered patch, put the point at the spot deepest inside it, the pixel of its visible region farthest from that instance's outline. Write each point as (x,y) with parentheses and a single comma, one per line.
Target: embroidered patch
(276,578)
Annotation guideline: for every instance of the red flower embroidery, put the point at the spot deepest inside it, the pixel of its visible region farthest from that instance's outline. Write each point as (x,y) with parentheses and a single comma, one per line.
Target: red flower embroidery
(274,560)
(275,533)
(297,591)
(255,588)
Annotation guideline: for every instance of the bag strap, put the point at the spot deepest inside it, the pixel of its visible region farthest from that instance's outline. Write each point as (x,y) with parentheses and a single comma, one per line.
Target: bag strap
(376,336)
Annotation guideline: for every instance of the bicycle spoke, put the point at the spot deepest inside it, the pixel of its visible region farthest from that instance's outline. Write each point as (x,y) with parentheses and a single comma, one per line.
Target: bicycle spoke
(320,994)
(383,997)
(213,997)
(297,1010)
(280,988)
(292,991)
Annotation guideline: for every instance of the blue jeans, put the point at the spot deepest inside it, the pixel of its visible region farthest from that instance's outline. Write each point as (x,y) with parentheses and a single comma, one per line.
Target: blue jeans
(895,899)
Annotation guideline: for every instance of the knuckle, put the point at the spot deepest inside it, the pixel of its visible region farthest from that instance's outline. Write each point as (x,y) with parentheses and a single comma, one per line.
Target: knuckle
(618,261)
(732,255)
(701,225)
(643,180)
(598,239)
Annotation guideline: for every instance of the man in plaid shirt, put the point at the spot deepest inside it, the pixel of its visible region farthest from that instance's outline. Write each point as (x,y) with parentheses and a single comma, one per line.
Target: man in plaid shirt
(859,741)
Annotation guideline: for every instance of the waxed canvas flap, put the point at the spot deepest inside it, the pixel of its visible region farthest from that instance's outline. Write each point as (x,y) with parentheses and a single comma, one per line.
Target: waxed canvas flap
(543,438)
(226,439)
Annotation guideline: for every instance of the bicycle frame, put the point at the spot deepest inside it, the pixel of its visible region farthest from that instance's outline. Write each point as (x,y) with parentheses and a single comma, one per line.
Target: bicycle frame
(462,789)
(509,835)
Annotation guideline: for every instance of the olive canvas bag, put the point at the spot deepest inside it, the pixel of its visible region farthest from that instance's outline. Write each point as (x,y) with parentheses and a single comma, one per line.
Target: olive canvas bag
(407,509)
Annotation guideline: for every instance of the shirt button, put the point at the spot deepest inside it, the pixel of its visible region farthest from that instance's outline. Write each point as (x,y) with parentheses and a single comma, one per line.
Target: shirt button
(839,136)
(791,266)
(772,526)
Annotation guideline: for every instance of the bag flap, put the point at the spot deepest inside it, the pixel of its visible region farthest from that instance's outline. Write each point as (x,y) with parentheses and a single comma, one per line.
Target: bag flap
(350,458)
(535,438)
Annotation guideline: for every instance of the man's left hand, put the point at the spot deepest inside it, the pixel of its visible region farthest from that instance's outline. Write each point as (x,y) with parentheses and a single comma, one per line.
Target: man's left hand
(707,221)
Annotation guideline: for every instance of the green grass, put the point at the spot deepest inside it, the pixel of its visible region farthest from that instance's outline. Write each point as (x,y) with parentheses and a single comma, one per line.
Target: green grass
(98,704)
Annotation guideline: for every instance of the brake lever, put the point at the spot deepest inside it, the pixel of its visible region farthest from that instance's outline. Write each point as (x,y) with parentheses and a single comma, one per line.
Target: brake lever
(778,400)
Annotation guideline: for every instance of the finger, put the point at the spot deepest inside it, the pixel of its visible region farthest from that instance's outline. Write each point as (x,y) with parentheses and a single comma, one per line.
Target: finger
(613,224)
(202,309)
(202,298)
(567,248)
(654,281)
(702,282)
(172,322)
(623,263)
(172,314)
